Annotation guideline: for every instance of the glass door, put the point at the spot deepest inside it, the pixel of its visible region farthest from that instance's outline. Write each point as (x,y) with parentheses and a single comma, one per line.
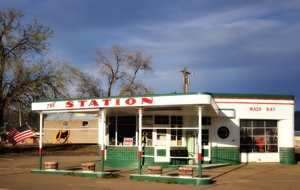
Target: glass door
(162,148)
(205,145)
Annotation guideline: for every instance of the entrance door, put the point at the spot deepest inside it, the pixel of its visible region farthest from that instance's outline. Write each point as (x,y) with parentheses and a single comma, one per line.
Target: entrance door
(190,141)
(206,149)
(162,149)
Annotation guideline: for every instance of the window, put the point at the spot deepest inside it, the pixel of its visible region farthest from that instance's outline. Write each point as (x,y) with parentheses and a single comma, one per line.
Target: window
(223,132)
(161,119)
(147,120)
(65,123)
(112,130)
(258,136)
(205,136)
(161,138)
(147,133)
(206,120)
(85,123)
(124,126)
(176,120)
(176,135)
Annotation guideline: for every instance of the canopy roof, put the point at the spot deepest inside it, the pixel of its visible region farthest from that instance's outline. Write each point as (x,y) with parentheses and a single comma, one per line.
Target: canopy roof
(171,104)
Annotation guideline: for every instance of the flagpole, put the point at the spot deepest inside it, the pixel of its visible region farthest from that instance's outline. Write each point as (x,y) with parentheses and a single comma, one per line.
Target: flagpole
(40,140)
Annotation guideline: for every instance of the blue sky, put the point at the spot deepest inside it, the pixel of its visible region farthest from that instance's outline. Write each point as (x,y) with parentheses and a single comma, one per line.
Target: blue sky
(234,46)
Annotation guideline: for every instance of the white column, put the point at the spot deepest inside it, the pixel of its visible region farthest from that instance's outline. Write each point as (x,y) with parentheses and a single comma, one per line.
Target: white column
(99,127)
(41,130)
(103,128)
(286,134)
(199,130)
(140,110)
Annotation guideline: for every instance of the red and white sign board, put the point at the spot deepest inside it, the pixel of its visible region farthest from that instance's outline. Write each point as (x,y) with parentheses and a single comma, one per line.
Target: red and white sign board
(196,99)
(128,141)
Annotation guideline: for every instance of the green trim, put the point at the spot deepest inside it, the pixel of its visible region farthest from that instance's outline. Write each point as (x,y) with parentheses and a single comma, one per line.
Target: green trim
(99,149)
(225,155)
(40,161)
(177,148)
(261,96)
(170,179)
(161,152)
(205,152)
(214,95)
(127,157)
(71,173)
(287,155)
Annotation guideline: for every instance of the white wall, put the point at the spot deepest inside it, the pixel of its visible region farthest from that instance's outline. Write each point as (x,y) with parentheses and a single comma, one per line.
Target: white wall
(267,109)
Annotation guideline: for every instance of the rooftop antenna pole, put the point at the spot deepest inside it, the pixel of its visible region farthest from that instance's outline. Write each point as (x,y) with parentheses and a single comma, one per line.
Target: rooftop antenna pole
(186,80)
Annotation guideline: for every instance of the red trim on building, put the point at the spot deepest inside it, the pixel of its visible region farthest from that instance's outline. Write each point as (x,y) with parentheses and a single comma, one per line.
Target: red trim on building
(200,156)
(140,154)
(254,103)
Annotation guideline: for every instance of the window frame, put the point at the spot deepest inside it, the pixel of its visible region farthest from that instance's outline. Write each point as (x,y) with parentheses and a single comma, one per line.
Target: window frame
(83,123)
(258,136)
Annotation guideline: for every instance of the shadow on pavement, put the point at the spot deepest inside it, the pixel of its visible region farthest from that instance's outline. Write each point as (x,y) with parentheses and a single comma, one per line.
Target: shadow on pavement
(297,157)
(213,179)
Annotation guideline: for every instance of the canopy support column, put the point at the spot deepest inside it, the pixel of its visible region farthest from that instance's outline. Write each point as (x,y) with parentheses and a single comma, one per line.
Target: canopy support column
(140,152)
(101,137)
(200,141)
(40,141)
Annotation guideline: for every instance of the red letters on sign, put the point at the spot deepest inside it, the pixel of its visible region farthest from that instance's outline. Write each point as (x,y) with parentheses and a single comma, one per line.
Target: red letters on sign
(255,108)
(147,100)
(107,102)
(130,101)
(117,101)
(270,109)
(69,104)
(81,102)
(94,103)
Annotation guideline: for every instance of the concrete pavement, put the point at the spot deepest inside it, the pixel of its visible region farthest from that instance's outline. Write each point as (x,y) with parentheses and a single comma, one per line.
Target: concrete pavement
(15,174)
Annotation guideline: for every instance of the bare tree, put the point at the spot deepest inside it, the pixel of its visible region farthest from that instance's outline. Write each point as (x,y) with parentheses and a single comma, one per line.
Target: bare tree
(86,84)
(121,67)
(24,75)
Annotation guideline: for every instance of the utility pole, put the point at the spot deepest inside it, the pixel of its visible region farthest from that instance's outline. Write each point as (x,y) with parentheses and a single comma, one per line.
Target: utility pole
(186,80)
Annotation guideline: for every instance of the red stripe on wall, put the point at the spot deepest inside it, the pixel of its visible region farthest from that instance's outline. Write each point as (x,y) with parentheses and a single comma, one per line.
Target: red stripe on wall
(253,103)
(140,154)
(200,156)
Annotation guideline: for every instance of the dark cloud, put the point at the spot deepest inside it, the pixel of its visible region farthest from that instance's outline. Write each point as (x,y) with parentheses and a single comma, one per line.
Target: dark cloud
(235,46)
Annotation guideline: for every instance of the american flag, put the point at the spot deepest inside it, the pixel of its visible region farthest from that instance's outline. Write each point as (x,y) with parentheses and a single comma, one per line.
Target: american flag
(18,134)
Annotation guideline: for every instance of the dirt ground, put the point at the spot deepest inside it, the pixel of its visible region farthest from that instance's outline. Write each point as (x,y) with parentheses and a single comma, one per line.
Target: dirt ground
(65,150)
(50,149)
(17,162)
